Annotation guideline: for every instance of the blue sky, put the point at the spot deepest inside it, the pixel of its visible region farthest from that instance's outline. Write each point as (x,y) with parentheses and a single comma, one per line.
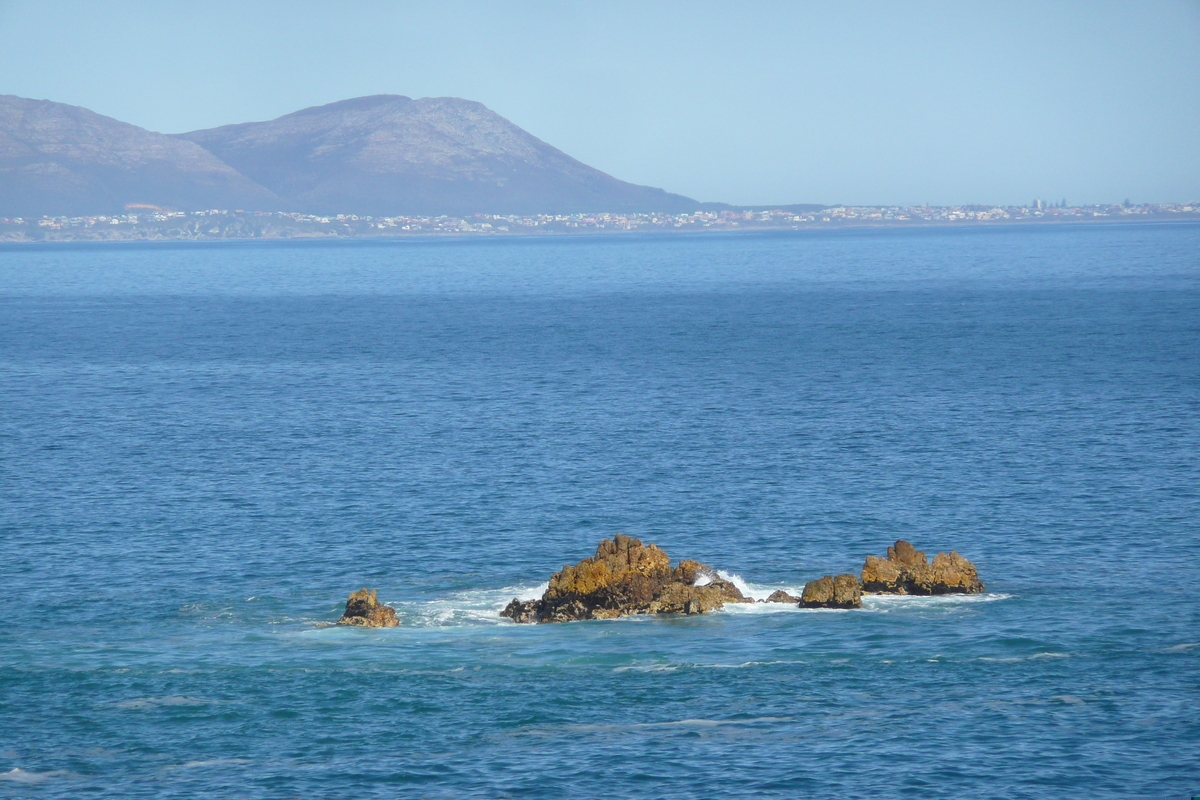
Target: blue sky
(752,102)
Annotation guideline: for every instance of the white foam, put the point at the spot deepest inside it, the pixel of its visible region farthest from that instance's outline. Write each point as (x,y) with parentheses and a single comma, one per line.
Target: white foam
(694,722)
(470,607)
(647,668)
(1013,659)
(897,602)
(18,775)
(758,591)
(674,667)
(215,762)
(476,606)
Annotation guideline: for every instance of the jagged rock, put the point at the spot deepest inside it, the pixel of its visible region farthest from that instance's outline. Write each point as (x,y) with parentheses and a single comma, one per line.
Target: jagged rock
(363,609)
(906,571)
(521,610)
(681,598)
(836,591)
(688,571)
(780,596)
(626,577)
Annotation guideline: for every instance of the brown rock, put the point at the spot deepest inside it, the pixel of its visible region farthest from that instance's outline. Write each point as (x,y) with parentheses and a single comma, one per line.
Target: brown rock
(680,598)
(836,591)
(780,596)
(624,573)
(883,575)
(625,577)
(906,571)
(363,609)
(688,570)
(950,573)
(521,610)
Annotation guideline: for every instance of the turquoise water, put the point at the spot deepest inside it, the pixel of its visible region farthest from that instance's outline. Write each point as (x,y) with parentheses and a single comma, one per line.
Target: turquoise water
(205,447)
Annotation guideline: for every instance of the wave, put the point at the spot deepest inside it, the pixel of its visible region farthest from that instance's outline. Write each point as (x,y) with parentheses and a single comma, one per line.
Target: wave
(18,775)
(213,762)
(1034,657)
(465,608)
(476,606)
(884,603)
(674,667)
(666,725)
(170,700)
(757,591)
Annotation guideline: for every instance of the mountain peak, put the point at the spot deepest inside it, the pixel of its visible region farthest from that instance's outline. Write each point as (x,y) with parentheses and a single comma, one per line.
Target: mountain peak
(353,104)
(379,155)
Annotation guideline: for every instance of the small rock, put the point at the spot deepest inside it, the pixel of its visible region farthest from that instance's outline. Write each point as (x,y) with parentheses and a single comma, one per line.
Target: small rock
(365,610)
(780,596)
(680,598)
(521,610)
(836,591)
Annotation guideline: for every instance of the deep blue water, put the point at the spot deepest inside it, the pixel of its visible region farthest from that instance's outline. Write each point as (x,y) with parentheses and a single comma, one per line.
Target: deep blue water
(205,447)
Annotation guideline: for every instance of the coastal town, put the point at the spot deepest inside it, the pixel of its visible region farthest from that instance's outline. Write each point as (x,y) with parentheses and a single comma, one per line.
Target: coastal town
(142,222)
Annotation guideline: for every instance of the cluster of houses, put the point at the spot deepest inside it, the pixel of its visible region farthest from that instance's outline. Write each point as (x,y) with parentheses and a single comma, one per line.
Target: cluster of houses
(160,223)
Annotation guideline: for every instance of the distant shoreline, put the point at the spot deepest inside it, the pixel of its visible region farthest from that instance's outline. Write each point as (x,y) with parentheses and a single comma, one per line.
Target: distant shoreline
(219,225)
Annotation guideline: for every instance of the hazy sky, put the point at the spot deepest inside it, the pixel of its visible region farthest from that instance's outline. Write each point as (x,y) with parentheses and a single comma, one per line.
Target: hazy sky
(854,102)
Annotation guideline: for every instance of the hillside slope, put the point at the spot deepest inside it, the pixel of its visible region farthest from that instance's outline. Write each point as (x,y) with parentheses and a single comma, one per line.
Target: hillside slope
(62,159)
(390,154)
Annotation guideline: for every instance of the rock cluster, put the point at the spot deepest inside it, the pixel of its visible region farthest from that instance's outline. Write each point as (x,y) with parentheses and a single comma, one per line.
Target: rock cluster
(906,571)
(365,610)
(626,577)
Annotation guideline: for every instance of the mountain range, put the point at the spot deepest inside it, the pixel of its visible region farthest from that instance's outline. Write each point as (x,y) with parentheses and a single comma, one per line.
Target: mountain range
(381,156)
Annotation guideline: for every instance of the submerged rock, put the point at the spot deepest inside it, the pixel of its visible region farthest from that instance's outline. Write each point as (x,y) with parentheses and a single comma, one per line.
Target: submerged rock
(832,591)
(905,570)
(780,596)
(626,577)
(365,610)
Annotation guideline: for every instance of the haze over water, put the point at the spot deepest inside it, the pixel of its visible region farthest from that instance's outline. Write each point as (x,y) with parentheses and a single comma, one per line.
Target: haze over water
(205,447)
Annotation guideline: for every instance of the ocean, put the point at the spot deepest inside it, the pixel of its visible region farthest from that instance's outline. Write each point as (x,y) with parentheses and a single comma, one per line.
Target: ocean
(204,447)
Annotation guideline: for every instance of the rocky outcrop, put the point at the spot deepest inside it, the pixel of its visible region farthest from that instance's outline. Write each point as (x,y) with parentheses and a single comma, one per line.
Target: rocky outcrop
(626,577)
(905,570)
(365,610)
(832,591)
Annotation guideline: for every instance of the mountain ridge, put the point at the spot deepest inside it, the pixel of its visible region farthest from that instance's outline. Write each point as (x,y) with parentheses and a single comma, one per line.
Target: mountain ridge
(61,159)
(375,155)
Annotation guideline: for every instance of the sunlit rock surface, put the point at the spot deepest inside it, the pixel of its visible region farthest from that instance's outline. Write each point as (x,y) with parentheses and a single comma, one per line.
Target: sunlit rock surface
(626,577)
(832,591)
(363,609)
(905,570)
